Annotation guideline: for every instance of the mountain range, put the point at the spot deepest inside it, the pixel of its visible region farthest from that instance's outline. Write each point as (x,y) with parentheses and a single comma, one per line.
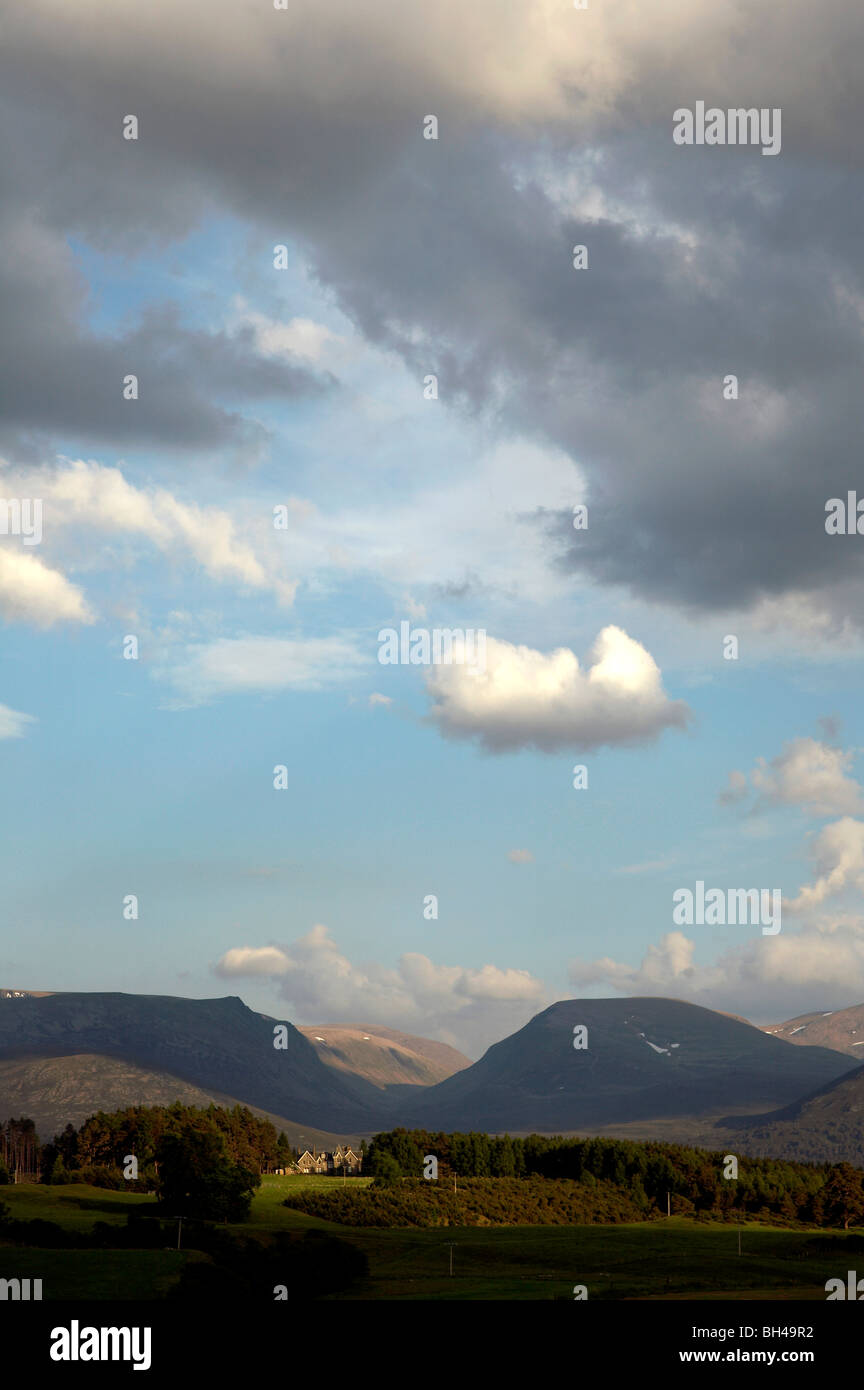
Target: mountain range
(645,1057)
(840,1029)
(647,1067)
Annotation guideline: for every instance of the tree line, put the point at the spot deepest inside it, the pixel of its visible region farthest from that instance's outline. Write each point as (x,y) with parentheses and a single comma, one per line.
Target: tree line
(234,1144)
(97,1151)
(19,1150)
(818,1193)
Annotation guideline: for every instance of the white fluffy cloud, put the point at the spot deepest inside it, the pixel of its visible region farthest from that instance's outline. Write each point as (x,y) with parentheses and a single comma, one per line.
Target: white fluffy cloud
(253,960)
(808,774)
(764,978)
(838,854)
(97,507)
(468,1008)
(12,723)
(525,698)
(32,592)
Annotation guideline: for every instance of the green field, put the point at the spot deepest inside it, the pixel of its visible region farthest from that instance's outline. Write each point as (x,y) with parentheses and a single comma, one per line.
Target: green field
(674,1258)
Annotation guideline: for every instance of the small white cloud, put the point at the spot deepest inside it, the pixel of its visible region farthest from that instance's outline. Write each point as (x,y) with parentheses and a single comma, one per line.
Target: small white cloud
(12,723)
(838,852)
(520,856)
(525,698)
(414,608)
(264,664)
(737,789)
(650,866)
(253,960)
(295,337)
(377,699)
(32,592)
(807,773)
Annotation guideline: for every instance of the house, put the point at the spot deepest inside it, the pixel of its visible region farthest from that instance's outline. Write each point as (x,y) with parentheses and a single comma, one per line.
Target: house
(342,1158)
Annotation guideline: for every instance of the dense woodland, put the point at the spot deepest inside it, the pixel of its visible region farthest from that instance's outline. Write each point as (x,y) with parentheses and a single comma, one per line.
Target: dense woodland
(207,1163)
(20,1152)
(96,1152)
(821,1194)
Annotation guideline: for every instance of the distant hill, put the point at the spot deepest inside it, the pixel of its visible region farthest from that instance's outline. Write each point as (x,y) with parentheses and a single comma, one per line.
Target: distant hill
(652,1066)
(841,1029)
(56,1091)
(646,1058)
(826,1126)
(384,1057)
(212,1044)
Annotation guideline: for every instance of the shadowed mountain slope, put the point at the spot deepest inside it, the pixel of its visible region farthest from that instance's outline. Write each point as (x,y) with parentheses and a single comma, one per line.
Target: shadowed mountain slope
(646,1057)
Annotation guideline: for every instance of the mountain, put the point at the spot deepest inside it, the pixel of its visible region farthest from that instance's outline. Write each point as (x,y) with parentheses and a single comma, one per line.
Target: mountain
(212,1044)
(384,1057)
(842,1030)
(650,1063)
(645,1059)
(57,1091)
(825,1126)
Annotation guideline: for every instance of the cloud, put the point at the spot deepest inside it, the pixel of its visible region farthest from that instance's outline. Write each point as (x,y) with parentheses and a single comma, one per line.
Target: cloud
(520,856)
(838,853)
(252,960)
(415,610)
(471,1008)
(765,978)
(689,275)
(89,509)
(187,377)
(94,497)
(13,724)
(377,699)
(806,773)
(32,592)
(530,699)
(737,789)
(237,665)
(296,337)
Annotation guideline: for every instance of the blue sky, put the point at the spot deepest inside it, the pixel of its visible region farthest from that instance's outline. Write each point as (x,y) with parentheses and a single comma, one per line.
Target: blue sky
(258,647)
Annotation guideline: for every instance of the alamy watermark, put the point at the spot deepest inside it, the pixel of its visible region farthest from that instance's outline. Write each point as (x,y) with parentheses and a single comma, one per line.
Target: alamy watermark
(721,907)
(21,516)
(443,646)
(737,126)
(20,1290)
(77,1343)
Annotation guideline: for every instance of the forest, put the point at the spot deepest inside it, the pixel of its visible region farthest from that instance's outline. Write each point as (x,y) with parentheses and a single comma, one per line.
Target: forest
(96,1153)
(655,1176)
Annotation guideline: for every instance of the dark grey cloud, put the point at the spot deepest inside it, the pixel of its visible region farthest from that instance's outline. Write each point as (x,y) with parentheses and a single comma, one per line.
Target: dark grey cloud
(57,377)
(457,253)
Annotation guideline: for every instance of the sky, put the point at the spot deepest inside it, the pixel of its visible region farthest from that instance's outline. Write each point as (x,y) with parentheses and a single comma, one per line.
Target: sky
(381,340)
